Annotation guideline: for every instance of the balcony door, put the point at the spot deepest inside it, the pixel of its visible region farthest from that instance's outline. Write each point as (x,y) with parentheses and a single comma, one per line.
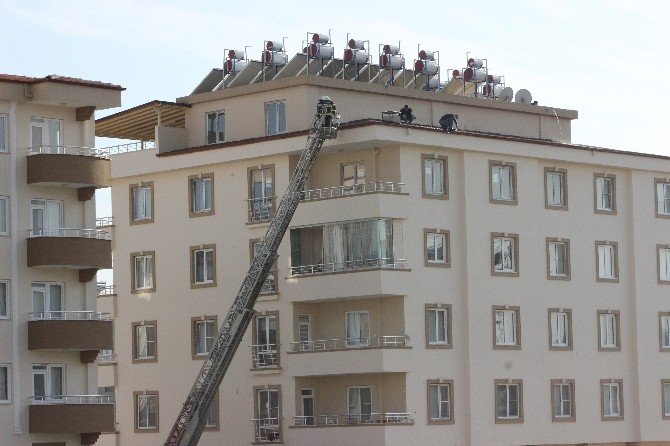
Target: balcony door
(360,404)
(46,135)
(48,382)
(268,414)
(46,216)
(47,297)
(266,341)
(261,193)
(358,328)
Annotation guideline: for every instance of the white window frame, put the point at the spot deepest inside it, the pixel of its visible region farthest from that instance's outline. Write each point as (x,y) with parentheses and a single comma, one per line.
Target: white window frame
(433,236)
(555,182)
(503,318)
(560,328)
(562,400)
(507,415)
(443,396)
(8,383)
(48,383)
(307,394)
(5,295)
(143,210)
(604,193)
(198,327)
(361,404)
(607,261)
(4,225)
(611,411)
(358,174)
(49,303)
(305,321)
(433,333)
(554,259)
(4,137)
(663,198)
(147,343)
(47,207)
(608,330)
(361,340)
(504,243)
(434,184)
(279,111)
(199,185)
(498,192)
(46,145)
(208,274)
(138,409)
(147,279)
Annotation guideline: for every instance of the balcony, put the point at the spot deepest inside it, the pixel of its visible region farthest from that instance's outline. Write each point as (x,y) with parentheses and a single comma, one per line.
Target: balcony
(82,249)
(104,222)
(267,430)
(377,187)
(74,167)
(85,331)
(350,343)
(88,415)
(353,420)
(348,266)
(106,290)
(264,356)
(106,359)
(260,210)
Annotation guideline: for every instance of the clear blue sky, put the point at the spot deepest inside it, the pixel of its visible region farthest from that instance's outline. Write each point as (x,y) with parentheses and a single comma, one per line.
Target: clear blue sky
(607,59)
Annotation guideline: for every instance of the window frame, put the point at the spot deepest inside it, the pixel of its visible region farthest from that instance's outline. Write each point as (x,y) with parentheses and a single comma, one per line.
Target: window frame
(194,338)
(250,191)
(275,269)
(356,177)
(133,256)
(8,232)
(657,182)
(553,347)
(436,383)
(611,177)
(661,315)
(573,414)
(515,254)
(278,129)
(4,134)
(217,113)
(254,340)
(192,180)
(515,197)
(664,415)
(134,357)
(564,175)
(615,246)
(660,247)
(136,412)
(567,275)
(214,406)
(8,381)
(131,202)
(517,344)
(617,332)
(445,176)
(271,387)
(508,382)
(447,328)
(603,383)
(4,283)
(193,250)
(447,249)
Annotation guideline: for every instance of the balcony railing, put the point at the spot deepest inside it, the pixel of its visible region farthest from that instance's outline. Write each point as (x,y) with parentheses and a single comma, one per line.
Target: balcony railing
(349,265)
(350,343)
(68,150)
(389,187)
(130,147)
(266,430)
(260,209)
(69,316)
(69,232)
(104,222)
(71,399)
(106,290)
(264,356)
(342,420)
(106,359)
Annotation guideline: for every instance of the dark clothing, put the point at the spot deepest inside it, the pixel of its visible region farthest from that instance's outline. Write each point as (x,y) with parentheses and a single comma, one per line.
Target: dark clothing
(448,122)
(406,115)
(321,106)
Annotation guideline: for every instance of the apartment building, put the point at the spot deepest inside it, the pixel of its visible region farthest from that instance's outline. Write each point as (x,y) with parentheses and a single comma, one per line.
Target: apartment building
(50,251)
(496,285)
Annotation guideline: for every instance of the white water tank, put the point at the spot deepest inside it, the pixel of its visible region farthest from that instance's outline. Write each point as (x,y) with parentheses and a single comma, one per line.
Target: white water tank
(356,44)
(474,75)
(272,45)
(355,56)
(391,62)
(426,67)
(320,51)
(320,38)
(391,49)
(276,59)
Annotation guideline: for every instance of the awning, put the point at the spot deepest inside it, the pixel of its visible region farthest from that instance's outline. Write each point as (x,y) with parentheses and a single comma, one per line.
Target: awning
(138,123)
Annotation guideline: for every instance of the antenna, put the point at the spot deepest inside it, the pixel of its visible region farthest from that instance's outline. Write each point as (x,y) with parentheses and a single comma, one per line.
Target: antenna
(523,96)
(506,94)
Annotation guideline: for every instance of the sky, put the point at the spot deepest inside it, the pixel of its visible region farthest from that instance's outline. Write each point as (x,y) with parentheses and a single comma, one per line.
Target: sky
(602,58)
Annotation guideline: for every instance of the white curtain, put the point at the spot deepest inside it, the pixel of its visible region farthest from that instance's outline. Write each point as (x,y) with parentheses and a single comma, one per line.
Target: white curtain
(333,244)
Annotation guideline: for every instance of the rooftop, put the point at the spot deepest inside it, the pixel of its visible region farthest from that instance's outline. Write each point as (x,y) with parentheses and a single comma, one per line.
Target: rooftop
(12,78)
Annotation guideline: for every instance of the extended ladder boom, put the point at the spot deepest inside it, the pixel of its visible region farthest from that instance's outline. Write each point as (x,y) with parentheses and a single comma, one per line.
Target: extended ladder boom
(192,418)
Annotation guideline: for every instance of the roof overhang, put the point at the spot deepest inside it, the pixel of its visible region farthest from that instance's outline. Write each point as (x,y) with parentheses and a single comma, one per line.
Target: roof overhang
(139,123)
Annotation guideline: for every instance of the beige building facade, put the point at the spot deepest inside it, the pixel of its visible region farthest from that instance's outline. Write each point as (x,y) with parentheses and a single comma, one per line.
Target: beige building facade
(50,251)
(496,285)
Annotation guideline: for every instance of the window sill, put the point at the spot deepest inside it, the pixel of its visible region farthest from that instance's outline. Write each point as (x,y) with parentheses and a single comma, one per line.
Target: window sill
(565,348)
(429,264)
(609,349)
(502,201)
(144,361)
(440,422)
(505,274)
(604,211)
(435,196)
(509,420)
(506,347)
(141,222)
(563,419)
(440,346)
(607,280)
(560,278)
(266,371)
(195,286)
(553,207)
(200,214)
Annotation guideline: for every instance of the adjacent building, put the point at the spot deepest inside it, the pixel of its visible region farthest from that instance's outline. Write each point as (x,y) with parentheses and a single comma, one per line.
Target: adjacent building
(496,285)
(50,251)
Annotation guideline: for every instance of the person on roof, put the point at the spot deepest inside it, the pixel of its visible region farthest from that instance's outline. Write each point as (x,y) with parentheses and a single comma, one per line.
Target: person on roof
(406,115)
(449,122)
(325,106)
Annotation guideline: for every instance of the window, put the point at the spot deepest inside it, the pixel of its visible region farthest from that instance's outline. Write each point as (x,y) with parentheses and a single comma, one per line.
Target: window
(609,331)
(46,217)
(560,329)
(556,188)
(665,399)
(605,193)
(506,328)
(359,401)
(142,271)
(4,299)
(440,401)
(48,382)
(146,411)
(509,401)
(357,328)
(663,264)
(435,176)
(502,182)
(4,215)
(305,331)
(307,404)
(437,244)
(261,193)
(268,413)
(612,399)
(46,135)
(352,174)
(558,259)
(270,285)
(5,388)
(275,117)
(662,186)
(265,350)
(203,266)
(201,195)
(216,127)
(145,348)
(212,423)
(664,330)
(438,326)
(4,144)
(563,400)
(203,335)
(504,254)
(47,297)
(142,203)
(608,261)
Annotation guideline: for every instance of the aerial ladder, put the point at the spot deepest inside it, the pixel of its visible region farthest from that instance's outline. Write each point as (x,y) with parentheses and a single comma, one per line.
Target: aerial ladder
(192,418)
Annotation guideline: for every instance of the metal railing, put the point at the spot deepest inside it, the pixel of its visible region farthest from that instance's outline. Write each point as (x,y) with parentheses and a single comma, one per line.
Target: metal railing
(104,221)
(71,399)
(106,359)
(260,209)
(68,150)
(389,187)
(364,419)
(350,343)
(266,430)
(349,265)
(129,147)
(107,290)
(70,232)
(69,315)
(264,356)
(269,286)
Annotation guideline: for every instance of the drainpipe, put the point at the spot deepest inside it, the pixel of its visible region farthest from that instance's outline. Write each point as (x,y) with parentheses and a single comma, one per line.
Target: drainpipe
(16,313)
